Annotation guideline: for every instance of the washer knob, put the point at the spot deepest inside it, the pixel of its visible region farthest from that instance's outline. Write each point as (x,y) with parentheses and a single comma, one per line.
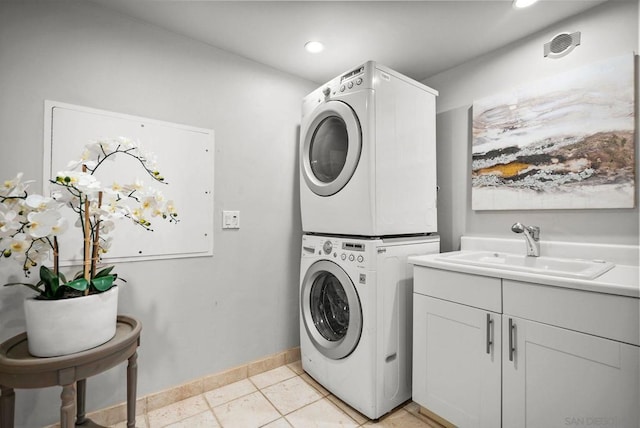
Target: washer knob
(360,259)
(343,256)
(327,247)
(351,258)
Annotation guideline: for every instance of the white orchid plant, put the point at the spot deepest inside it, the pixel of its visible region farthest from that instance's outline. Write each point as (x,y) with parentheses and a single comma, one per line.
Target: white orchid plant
(31,223)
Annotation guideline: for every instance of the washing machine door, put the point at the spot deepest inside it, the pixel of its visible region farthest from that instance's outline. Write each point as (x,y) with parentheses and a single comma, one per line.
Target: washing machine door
(331,309)
(331,147)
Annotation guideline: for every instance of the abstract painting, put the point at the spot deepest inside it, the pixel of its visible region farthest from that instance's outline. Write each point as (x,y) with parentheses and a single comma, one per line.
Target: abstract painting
(565,142)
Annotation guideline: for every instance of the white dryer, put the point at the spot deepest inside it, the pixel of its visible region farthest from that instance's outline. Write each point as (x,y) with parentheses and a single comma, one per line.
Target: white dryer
(356,317)
(368,155)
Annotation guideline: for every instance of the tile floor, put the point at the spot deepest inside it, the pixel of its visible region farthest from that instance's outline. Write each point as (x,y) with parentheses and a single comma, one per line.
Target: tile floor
(284,397)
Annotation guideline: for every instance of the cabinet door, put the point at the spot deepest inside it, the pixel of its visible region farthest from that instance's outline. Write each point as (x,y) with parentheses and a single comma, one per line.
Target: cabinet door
(456,362)
(553,377)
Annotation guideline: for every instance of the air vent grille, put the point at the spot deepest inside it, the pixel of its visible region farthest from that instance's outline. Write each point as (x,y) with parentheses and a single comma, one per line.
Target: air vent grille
(561,44)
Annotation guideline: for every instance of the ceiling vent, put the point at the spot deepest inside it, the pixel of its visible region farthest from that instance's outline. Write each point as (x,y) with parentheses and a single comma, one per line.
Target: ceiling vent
(561,45)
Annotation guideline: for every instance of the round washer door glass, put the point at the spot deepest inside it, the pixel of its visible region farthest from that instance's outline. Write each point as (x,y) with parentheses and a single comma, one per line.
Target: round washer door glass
(331,309)
(330,148)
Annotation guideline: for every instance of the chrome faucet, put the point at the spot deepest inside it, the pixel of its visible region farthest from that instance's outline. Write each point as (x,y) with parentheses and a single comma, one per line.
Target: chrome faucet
(531,236)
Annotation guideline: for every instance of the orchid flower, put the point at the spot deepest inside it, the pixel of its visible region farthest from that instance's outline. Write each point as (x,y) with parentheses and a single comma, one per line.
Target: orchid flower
(30,223)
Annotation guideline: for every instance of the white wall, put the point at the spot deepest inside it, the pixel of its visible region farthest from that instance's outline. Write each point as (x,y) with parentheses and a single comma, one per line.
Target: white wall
(608,30)
(199,315)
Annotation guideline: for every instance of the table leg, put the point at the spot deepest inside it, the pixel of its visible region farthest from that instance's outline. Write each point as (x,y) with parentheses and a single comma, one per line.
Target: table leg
(132,380)
(81,392)
(7,403)
(68,407)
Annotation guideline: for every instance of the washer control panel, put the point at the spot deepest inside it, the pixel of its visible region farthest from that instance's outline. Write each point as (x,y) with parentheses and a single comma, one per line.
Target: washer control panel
(349,251)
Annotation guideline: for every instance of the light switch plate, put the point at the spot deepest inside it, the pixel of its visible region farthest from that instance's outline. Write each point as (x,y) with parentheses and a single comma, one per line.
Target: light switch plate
(231,219)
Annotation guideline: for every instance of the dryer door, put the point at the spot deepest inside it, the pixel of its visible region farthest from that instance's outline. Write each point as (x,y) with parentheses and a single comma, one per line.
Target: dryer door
(331,309)
(331,147)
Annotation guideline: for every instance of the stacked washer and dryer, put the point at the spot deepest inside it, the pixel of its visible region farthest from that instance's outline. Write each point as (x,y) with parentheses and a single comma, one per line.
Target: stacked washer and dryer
(368,201)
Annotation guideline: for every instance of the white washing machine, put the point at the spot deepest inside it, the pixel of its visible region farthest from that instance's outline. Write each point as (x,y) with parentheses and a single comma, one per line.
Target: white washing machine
(368,155)
(356,317)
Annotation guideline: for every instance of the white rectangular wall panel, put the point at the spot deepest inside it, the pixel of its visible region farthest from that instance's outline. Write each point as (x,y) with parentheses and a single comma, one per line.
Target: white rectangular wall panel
(184,157)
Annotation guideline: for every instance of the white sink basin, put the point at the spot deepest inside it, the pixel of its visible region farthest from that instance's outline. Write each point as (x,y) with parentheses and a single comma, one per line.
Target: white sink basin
(568,268)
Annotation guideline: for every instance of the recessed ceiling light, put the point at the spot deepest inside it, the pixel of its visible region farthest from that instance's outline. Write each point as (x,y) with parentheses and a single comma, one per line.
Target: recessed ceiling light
(314,47)
(519,4)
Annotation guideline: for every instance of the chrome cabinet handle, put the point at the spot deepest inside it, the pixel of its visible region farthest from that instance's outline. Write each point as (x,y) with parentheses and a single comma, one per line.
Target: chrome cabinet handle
(489,331)
(512,341)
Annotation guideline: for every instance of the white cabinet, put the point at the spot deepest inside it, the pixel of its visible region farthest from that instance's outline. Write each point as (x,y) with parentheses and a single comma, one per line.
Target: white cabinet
(558,357)
(554,377)
(456,366)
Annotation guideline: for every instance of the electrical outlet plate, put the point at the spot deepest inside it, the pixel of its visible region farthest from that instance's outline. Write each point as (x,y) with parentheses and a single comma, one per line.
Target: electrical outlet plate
(231,219)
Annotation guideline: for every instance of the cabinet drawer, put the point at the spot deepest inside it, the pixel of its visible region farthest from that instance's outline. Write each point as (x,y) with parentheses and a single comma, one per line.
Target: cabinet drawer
(605,315)
(473,290)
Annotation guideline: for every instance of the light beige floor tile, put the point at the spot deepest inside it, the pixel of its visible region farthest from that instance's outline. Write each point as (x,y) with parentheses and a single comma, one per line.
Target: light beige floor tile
(412,407)
(321,414)
(354,414)
(296,366)
(141,422)
(279,423)
(201,420)
(311,381)
(272,376)
(252,410)
(398,419)
(229,392)
(291,394)
(177,411)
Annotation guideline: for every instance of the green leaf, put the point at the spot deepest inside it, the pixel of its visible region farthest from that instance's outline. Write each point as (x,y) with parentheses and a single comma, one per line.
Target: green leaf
(103,283)
(104,272)
(47,274)
(80,284)
(50,280)
(31,286)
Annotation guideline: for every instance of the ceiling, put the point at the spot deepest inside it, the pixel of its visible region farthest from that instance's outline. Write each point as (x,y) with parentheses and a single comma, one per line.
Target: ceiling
(417,38)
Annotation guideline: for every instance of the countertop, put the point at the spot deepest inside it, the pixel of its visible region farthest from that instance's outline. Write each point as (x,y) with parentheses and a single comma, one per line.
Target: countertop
(622,280)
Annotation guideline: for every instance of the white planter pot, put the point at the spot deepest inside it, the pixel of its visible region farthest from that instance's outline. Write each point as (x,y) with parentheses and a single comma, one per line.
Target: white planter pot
(67,326)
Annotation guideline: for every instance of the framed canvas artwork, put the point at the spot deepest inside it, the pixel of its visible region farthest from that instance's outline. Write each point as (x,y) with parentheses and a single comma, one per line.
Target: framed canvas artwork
(566,142)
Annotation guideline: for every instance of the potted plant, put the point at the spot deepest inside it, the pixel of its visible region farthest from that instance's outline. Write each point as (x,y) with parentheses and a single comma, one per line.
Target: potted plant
(71,314)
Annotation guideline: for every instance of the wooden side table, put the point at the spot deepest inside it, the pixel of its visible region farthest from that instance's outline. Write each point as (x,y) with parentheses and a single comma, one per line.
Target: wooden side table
(18,369)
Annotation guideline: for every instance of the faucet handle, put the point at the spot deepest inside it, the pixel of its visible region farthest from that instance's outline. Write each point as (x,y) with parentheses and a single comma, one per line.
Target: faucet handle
(534,231)
(518,227)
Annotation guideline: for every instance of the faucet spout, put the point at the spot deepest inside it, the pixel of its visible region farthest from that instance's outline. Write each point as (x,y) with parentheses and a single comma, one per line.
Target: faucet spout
(531,237)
